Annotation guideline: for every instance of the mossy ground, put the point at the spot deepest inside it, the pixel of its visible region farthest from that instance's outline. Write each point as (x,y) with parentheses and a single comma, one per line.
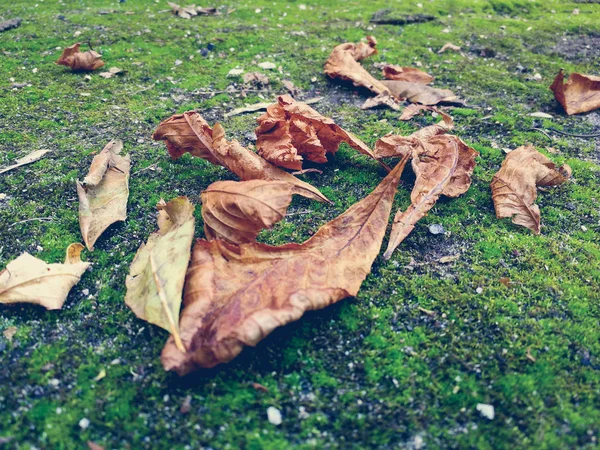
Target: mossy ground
(375,371)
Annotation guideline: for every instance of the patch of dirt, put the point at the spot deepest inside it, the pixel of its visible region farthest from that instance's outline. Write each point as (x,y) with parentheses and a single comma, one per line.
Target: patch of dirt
(578,47)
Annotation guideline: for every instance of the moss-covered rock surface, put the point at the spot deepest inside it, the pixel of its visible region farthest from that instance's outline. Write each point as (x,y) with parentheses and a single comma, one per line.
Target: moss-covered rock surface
(404,364)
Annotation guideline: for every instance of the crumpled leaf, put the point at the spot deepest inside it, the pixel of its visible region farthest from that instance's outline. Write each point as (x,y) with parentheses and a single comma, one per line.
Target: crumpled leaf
(409,74)
(343,64)
(28,159)
(189,132)
(290,131)
(419,93)
(103,193)
(80,61)
(238,210)
(157,273)
(187,12)
(384,99)
(255,78)
(443,165)
(581,93)
(28,279)
(235,295)
(514,186)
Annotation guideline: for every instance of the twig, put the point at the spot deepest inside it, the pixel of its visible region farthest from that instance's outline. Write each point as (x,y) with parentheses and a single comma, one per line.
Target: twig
(306,211)
(567,134)
(543,132)
(30,220)
(150,167)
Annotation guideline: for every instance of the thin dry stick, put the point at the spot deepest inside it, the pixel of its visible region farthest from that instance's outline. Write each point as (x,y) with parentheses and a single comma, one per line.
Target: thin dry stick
(31,220)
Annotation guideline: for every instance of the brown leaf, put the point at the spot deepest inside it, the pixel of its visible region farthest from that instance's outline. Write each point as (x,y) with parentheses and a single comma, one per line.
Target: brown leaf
(514,186)
(443,165)
(185,12)
(112,72)
(343,64)
(264,105)
(80,61)
(255,78)
(157,273)
(384,99)
(238,210)
(103,193)
(28,159)
(580,94)
(30,280)
(291,88)
(291,130)
(409,74)
(449,46)
(189,132)
(235,295)
(93,446)
(413,110)
(419,93)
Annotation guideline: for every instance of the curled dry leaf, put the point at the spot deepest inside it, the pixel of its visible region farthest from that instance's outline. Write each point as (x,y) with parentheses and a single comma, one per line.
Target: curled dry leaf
(28,159)
(238,210)
(409,74)
(30,280)
(443,165)
(449,46)
(103,193)
(235,295)
(186,12)
(80,61)
(419,93)
(189,132)
(157,273)
(343,64)
(384,99)
(514,186)
(580,94)
(290,131)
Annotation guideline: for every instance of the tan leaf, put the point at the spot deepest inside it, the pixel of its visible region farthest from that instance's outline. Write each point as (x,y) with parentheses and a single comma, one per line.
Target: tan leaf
(291,130)
(419,93)
(9,333)
(443,165)
(80,61)
(581,93)
(185,12)
(30,280)
(409,74)
(343,64)
(291,87)
(189,132)
(255,78)
(112,72)
(384,99)
(449,46)
(413,110)
(238,210)
(235,295)
(28,159)
(514,186)
(157,273)
(103,193)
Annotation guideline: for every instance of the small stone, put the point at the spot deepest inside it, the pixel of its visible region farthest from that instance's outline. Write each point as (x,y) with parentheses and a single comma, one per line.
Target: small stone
(274,415)
(204,52)
(436,228)
(537,77)
(486,410)
(84,423)
(54,382)
(583,228)
(267,65)
(479,290)
(178,62)
(85,292)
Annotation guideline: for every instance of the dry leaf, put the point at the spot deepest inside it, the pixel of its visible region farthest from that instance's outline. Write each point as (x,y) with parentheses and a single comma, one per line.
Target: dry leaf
(292,89)
(32,157)
(255,78)
(443,165)
(264,105)
(189,132)
(238,210)
(235,295)
(103,193)
(413,110)
(30,280)
(580,94)
(343,64)
(112,72)
(419,93)
(9,333)
(157,273)
(409,74)
(290,131)
(206,11)
(449,46)
(384,99)
(185,12)
(80,61)
(514,186)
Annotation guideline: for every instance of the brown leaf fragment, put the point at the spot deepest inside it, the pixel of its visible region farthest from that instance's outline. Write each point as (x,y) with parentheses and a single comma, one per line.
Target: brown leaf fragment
(28,159)
(30,280)
(185,12)
(449,46)
(384,99)
(238,210)
(343,64)
(409,74)
(93,446)
(264,105)
(443,165)
(581,93)
(290,131)
(291,88)
(514,186)
(413,110)
(256,78)
(157,273)
(9,333)
(419,93)
(206,11)
(260,387)
(103,193)
(189,132)
(80,61)
(235,295)
(112,72)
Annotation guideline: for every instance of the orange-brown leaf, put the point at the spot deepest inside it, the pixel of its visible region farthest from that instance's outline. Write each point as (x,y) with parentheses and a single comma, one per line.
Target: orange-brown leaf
(410,74)
(419,93)
(80,61)
(581,93)
(514,186)
(236,295)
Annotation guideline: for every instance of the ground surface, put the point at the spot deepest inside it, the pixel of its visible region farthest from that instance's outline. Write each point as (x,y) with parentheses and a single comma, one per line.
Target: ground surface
(375,371)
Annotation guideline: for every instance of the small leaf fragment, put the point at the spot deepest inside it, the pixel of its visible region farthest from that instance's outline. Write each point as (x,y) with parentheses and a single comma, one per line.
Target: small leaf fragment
(28,159)
(80,61)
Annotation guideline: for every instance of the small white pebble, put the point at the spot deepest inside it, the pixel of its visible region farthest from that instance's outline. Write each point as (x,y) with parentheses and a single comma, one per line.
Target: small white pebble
(85,292)
(583,228)
(178,62)
(35,70)
(54,382)
(257,10)
(59,410)
(302,7)
(479,290)
(84,423)
(274,415)
(537,77)
(486,410)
